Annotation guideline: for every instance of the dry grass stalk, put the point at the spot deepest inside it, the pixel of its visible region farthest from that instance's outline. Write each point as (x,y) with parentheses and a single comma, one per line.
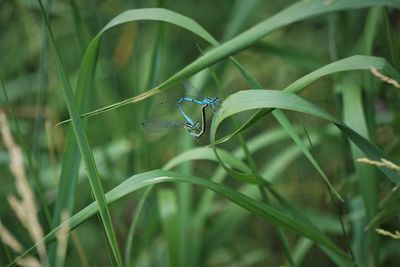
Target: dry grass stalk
(62,238)
(395,235)
(384,78)
(29,262)
(382,163)
(9,240)
(25,206)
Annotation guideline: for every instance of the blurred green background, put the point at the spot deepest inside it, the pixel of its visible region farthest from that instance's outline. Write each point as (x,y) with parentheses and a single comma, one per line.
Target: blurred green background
(178,224)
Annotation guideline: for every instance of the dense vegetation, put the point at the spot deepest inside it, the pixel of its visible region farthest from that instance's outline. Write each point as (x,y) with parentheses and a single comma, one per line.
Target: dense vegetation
(299,164)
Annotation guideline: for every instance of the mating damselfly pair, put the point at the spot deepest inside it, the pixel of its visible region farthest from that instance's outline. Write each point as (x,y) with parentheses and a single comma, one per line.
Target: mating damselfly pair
(193,127)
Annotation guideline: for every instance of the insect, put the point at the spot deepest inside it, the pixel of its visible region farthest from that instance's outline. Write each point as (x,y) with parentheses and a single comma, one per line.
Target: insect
(194,128)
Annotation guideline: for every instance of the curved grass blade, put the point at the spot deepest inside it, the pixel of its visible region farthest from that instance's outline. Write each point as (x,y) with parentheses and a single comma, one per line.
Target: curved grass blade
(297,12)
(274,215)
(154,14)
(255,99)
(262,140)
(206,153)
(347,64)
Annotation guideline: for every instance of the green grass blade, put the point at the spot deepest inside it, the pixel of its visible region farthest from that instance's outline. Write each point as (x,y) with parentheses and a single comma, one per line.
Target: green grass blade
(390,206)
(282,161)
(84,147)
(354,115)
(347,64)
(254,99)
(297,12)
(71,158)
(132,228)
(168,210)
(206,153)
(272,214)
(289,129)
(241,11)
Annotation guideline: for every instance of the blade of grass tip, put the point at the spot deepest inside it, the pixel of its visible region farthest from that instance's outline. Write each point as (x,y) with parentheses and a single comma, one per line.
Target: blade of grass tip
(84,148)
(25,149)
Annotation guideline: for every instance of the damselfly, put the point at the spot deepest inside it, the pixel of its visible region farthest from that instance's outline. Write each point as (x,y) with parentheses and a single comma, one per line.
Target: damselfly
(213,103)
(195,129)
